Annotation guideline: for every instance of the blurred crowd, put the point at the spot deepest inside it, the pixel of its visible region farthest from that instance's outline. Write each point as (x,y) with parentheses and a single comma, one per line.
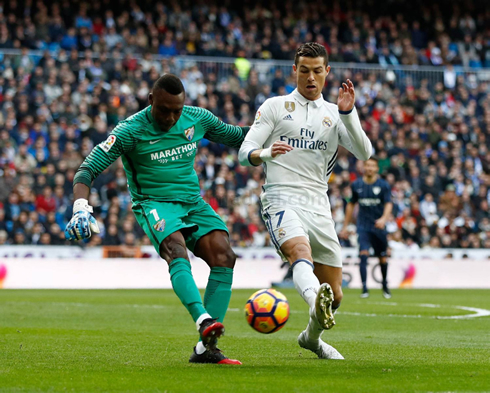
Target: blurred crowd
(435,32)
(431,138)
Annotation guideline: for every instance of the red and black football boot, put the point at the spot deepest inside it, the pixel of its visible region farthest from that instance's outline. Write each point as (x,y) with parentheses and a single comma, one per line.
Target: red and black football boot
(210,330)
(214,356)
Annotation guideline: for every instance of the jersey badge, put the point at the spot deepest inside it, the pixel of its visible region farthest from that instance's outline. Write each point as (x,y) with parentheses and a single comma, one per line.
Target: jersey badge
(160,225)
(290,106)
(109,142)
(288,117)
(189,133)
(327,122)
(257,116)
(281,232)
(376,190)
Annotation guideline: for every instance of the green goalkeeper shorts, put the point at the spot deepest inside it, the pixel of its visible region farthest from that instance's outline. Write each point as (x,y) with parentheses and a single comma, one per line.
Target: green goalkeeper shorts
(161,219)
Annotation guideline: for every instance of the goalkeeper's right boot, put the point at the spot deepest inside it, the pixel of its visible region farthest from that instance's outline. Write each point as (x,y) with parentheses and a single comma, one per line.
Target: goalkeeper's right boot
(319,347)
(323,307)
(210,330)
(214,356)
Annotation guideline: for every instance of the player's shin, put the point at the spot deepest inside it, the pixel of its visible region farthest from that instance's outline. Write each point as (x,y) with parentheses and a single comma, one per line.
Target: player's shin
(185,287)
(305,281)
(218,292)
(384,272)
(363,270)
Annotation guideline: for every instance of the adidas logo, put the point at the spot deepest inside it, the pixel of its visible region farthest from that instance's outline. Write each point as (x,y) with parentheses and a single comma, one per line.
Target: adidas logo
(288,117)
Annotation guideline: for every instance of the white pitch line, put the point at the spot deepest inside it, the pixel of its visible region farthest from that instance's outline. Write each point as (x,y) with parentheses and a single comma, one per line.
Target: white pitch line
(360,314)
(478,312)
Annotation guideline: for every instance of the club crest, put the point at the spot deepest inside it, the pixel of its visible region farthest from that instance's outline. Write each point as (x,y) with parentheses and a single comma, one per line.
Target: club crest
(376,190)
(189,133)
(281,233)
(327,122)
(160,225)
(290,106)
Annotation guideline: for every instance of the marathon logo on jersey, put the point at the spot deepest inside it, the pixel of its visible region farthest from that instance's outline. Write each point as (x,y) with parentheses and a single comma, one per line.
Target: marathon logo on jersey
(107,145)
(369,201)
(290,106)
(305,143)
(189,133)
(376,190)
(327,122)
(174,154)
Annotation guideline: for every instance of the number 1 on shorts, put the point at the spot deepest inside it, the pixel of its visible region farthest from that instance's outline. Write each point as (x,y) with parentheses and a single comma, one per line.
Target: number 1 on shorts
(155,214)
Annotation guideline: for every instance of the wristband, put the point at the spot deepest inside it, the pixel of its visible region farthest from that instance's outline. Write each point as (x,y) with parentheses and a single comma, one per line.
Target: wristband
(266,154)
(81,204)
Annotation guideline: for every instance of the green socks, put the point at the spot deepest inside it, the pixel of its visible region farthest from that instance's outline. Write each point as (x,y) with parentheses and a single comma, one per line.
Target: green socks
(218,292)
(217,295)
(185,288)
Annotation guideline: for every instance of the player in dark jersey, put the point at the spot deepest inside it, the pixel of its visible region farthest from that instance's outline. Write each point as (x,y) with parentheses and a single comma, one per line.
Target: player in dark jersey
(374,197)
(158,147)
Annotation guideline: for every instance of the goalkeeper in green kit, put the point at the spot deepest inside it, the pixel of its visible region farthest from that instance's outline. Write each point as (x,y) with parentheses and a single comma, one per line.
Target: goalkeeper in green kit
(158,146)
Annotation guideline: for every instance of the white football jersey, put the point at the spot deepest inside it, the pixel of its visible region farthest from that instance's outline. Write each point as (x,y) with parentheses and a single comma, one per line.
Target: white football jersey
(314,129)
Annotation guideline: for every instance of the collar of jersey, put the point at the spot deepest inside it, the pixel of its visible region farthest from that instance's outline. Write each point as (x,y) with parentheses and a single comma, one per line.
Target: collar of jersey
(303,101)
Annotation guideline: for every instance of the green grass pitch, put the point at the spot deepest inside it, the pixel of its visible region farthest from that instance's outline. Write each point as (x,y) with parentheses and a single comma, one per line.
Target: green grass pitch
(141,340)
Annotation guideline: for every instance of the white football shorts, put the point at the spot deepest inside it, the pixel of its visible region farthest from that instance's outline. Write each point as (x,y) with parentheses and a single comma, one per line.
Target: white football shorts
(284,224)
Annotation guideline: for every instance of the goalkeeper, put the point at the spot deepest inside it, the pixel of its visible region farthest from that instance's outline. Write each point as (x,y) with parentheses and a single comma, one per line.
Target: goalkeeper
(158,146)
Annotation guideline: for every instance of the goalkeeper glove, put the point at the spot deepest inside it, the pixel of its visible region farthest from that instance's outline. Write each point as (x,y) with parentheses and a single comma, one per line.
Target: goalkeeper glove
(82,224)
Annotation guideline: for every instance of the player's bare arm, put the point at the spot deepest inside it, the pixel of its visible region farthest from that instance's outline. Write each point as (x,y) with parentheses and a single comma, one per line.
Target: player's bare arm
(359,144)
(380,223)
(349,210)
(278,148)
(347,96)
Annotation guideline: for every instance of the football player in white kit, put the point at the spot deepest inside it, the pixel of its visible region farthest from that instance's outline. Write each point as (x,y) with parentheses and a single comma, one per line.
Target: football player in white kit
(297,137)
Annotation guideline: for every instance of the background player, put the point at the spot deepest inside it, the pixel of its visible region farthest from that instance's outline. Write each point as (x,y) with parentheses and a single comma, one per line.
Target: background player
(374,197)
(297,138)
(158,146)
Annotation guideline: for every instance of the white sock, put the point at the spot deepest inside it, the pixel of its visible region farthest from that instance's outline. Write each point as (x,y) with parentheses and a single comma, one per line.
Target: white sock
(314,331)
(305,281)
(202,318)
(200,348)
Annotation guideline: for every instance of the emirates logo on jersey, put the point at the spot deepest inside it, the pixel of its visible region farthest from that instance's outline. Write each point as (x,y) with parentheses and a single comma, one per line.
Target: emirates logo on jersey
(189,133)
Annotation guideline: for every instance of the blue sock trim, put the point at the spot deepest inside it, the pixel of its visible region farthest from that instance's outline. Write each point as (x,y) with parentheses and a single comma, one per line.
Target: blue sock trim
(302,260)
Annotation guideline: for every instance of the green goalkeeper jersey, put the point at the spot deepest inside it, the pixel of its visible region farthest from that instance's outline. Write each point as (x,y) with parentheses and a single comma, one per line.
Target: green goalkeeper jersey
(159,165)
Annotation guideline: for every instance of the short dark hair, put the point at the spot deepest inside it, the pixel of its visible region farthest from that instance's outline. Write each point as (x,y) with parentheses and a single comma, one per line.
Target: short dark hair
(170,83)
(373,158)
(311,49)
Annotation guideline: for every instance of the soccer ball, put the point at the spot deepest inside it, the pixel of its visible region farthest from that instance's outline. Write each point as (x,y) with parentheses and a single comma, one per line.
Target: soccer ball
(267,311)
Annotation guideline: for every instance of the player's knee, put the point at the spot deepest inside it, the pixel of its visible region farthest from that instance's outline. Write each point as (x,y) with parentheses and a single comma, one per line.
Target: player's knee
(298,251)
(171,249)
(224,258)
(364,252)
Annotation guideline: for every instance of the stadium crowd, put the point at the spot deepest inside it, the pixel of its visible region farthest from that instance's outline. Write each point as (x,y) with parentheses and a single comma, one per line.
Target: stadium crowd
(400,32)
(431,138)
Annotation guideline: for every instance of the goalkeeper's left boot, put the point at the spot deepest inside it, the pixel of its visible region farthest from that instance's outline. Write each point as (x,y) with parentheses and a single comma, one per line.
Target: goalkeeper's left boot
(319,347)
(323,307)
(210,330)
(213,355)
